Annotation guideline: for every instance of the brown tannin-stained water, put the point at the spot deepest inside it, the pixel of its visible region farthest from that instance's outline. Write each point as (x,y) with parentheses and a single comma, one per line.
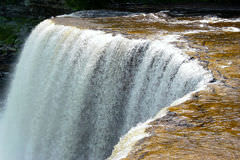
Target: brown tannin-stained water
(120,85)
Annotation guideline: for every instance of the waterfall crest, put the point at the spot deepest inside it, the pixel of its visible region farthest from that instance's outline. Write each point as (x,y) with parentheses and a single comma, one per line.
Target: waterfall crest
(75,92)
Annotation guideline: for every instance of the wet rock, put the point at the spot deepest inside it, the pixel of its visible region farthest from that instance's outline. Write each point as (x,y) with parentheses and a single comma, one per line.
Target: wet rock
(213,80)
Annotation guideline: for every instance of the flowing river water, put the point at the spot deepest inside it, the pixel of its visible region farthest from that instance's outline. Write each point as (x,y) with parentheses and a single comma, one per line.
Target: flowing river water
(118,85)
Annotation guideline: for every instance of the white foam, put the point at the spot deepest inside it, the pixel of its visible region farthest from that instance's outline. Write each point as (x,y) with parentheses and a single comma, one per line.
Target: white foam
(75,92)
(231,29)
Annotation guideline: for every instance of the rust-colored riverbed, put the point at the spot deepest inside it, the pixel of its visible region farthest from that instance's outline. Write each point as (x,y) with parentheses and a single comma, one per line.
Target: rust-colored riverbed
(208,125)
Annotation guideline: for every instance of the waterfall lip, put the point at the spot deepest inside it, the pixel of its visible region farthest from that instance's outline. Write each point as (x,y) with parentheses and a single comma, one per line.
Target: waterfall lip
(141,128)
(94,59)
(122,148)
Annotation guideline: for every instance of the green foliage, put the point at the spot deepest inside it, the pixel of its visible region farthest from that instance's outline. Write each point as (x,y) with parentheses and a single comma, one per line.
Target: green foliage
(11,28)
(7,34)
(3,19)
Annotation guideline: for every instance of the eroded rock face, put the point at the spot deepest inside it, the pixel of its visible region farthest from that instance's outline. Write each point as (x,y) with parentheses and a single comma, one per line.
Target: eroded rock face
(207,125)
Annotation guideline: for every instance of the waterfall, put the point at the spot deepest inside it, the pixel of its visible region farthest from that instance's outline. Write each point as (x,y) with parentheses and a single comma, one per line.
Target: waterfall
(76,92)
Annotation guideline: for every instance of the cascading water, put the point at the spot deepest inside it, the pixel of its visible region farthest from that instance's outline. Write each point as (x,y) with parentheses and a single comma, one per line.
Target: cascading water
(75,92)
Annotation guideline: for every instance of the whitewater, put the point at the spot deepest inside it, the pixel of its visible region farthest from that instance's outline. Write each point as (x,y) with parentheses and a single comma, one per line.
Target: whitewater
(77,91)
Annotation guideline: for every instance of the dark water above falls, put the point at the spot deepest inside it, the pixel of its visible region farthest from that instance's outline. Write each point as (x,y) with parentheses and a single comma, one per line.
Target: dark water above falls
(76,92)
